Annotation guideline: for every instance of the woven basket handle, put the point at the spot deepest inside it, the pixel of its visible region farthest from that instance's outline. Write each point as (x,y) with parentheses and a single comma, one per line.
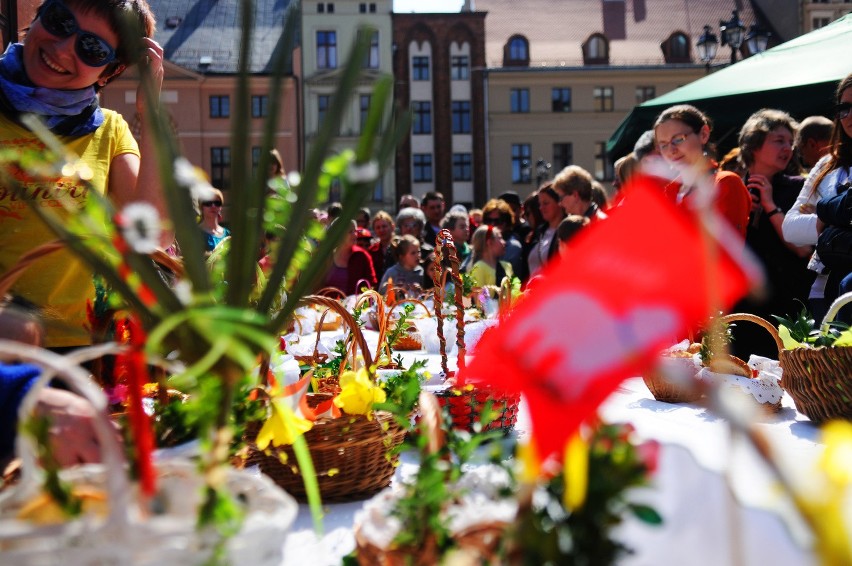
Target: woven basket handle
(112,454)
(348,319)
(728,318)
(430,415)
(835,307)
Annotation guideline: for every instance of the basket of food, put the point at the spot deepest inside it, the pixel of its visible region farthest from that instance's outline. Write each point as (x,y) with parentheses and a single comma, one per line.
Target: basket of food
(686,370)
(102,518)
(350,452)
(818,374)
(467,403)
(474,511)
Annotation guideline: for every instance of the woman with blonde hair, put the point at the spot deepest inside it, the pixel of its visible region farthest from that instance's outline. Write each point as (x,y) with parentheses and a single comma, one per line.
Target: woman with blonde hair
(488,247)
(211,215)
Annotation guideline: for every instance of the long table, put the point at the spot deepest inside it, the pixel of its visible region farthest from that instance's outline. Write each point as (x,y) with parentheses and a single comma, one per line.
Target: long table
(719,502)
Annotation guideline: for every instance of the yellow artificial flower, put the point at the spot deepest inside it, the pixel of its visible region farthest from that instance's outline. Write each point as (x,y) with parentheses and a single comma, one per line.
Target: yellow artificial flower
(837,458)
(282,426)
(576,472)
(358,393)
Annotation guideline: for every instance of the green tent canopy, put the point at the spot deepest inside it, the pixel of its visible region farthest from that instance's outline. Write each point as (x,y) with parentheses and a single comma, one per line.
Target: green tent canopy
(799,77)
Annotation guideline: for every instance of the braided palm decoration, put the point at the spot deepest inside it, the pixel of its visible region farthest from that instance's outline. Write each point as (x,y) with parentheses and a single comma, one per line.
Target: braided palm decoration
(444,246)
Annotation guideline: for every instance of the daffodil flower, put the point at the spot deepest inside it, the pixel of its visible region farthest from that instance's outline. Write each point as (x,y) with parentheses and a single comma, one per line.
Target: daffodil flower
(358,393)
(282,426)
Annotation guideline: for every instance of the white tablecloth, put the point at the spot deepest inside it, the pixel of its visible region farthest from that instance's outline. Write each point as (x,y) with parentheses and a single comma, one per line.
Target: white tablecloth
(719,503)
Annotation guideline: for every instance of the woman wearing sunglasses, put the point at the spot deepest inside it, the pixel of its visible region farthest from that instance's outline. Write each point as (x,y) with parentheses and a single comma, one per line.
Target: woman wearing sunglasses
(682,134)
(827,182)
(211,214)
(72,49)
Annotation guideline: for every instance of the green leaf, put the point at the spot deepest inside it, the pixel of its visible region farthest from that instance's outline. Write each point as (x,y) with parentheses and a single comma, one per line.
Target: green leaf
(646,514)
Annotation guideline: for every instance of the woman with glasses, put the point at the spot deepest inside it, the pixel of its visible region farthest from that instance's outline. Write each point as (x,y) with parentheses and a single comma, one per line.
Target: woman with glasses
(827,182)
(682,134)
(211,214)
(71,50)
(499,213)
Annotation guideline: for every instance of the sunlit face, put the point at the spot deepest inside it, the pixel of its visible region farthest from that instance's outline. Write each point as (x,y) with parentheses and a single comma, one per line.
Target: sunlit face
(549,208)
(846,98)
(411,258)
(52,62)
(679,145)
(776,151)
(383,230)
(496,244)
(461,232)
(571,203)
(434,210)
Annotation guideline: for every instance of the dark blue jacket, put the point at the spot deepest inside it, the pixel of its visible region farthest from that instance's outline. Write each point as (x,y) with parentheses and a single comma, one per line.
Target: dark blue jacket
(15,382)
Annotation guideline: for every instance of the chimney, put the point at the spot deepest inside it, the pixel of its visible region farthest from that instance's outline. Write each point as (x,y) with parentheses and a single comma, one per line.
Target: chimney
(613,19)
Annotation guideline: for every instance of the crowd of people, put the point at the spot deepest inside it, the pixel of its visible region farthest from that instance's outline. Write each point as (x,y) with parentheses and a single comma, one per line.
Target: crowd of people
(782,190)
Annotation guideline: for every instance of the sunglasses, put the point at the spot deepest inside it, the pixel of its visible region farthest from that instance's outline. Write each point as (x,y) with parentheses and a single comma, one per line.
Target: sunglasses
(211,203)
(493,220)
(58,20)
(843,110)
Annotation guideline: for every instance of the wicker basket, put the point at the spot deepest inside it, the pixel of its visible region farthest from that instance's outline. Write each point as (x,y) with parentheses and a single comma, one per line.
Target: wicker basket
(665,389)
(466,402)
(127,533)
(820,379)
(479,542)
(349,453)
(350,457)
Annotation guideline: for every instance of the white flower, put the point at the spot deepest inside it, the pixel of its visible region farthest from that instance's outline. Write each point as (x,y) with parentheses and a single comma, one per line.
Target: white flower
(187,175)
(366,173)
(140,226)
(294,179)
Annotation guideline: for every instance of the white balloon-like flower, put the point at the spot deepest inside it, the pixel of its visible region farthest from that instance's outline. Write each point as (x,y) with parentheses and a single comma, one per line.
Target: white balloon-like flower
(187,175)
(140,226)
(366,173)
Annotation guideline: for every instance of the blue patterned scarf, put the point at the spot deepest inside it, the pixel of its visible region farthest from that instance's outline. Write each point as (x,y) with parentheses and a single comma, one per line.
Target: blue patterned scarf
(65,112)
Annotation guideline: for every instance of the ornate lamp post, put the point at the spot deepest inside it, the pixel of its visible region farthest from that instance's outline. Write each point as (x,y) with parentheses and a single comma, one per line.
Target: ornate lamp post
(757,39)
(707,45)
(733,32)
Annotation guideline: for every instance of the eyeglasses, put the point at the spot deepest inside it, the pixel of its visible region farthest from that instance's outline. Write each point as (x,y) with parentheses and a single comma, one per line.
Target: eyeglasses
(409,225)
(211,203)
(843,109)
(58,20)
(493,220)
(676,141)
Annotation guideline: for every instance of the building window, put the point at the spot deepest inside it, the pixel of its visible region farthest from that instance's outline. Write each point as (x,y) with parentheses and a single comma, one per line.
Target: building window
(362,8)
(220,167)
(259,106)
(422,167)
(676,48)
(596,50)
(371,59)
(521,155)
(459,68)
(220,106)
(327,49)
(561,99)
(422,117)
(364,108)
(323,103)
(820,22)
(462,167)
(255,157)
(419,68)
(603,99)
(517,51)
(461,116)
(563,155)
(329,7)
(379,190)
(372,7)
(321,8)
(603,167)
(644,93)
(519,100)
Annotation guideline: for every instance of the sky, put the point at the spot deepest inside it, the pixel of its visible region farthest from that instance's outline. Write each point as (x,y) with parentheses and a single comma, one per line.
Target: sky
(437,6)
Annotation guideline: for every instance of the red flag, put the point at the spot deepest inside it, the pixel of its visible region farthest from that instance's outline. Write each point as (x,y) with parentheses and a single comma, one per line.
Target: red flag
(631,285)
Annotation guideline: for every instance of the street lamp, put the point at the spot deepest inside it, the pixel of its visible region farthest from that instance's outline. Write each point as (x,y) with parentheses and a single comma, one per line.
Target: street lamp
(707,45)
(525,170)
(757,39)
(542,171)
(732,33)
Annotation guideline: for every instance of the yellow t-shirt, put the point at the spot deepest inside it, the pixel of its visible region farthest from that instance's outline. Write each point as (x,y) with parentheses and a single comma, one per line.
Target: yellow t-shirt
(58,283)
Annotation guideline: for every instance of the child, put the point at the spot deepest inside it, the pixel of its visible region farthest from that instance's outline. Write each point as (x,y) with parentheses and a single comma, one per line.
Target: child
(568,228)
(488,247)
(407,270)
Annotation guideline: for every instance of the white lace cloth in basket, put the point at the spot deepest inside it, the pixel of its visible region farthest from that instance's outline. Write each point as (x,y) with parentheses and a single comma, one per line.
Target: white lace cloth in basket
(765,387)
